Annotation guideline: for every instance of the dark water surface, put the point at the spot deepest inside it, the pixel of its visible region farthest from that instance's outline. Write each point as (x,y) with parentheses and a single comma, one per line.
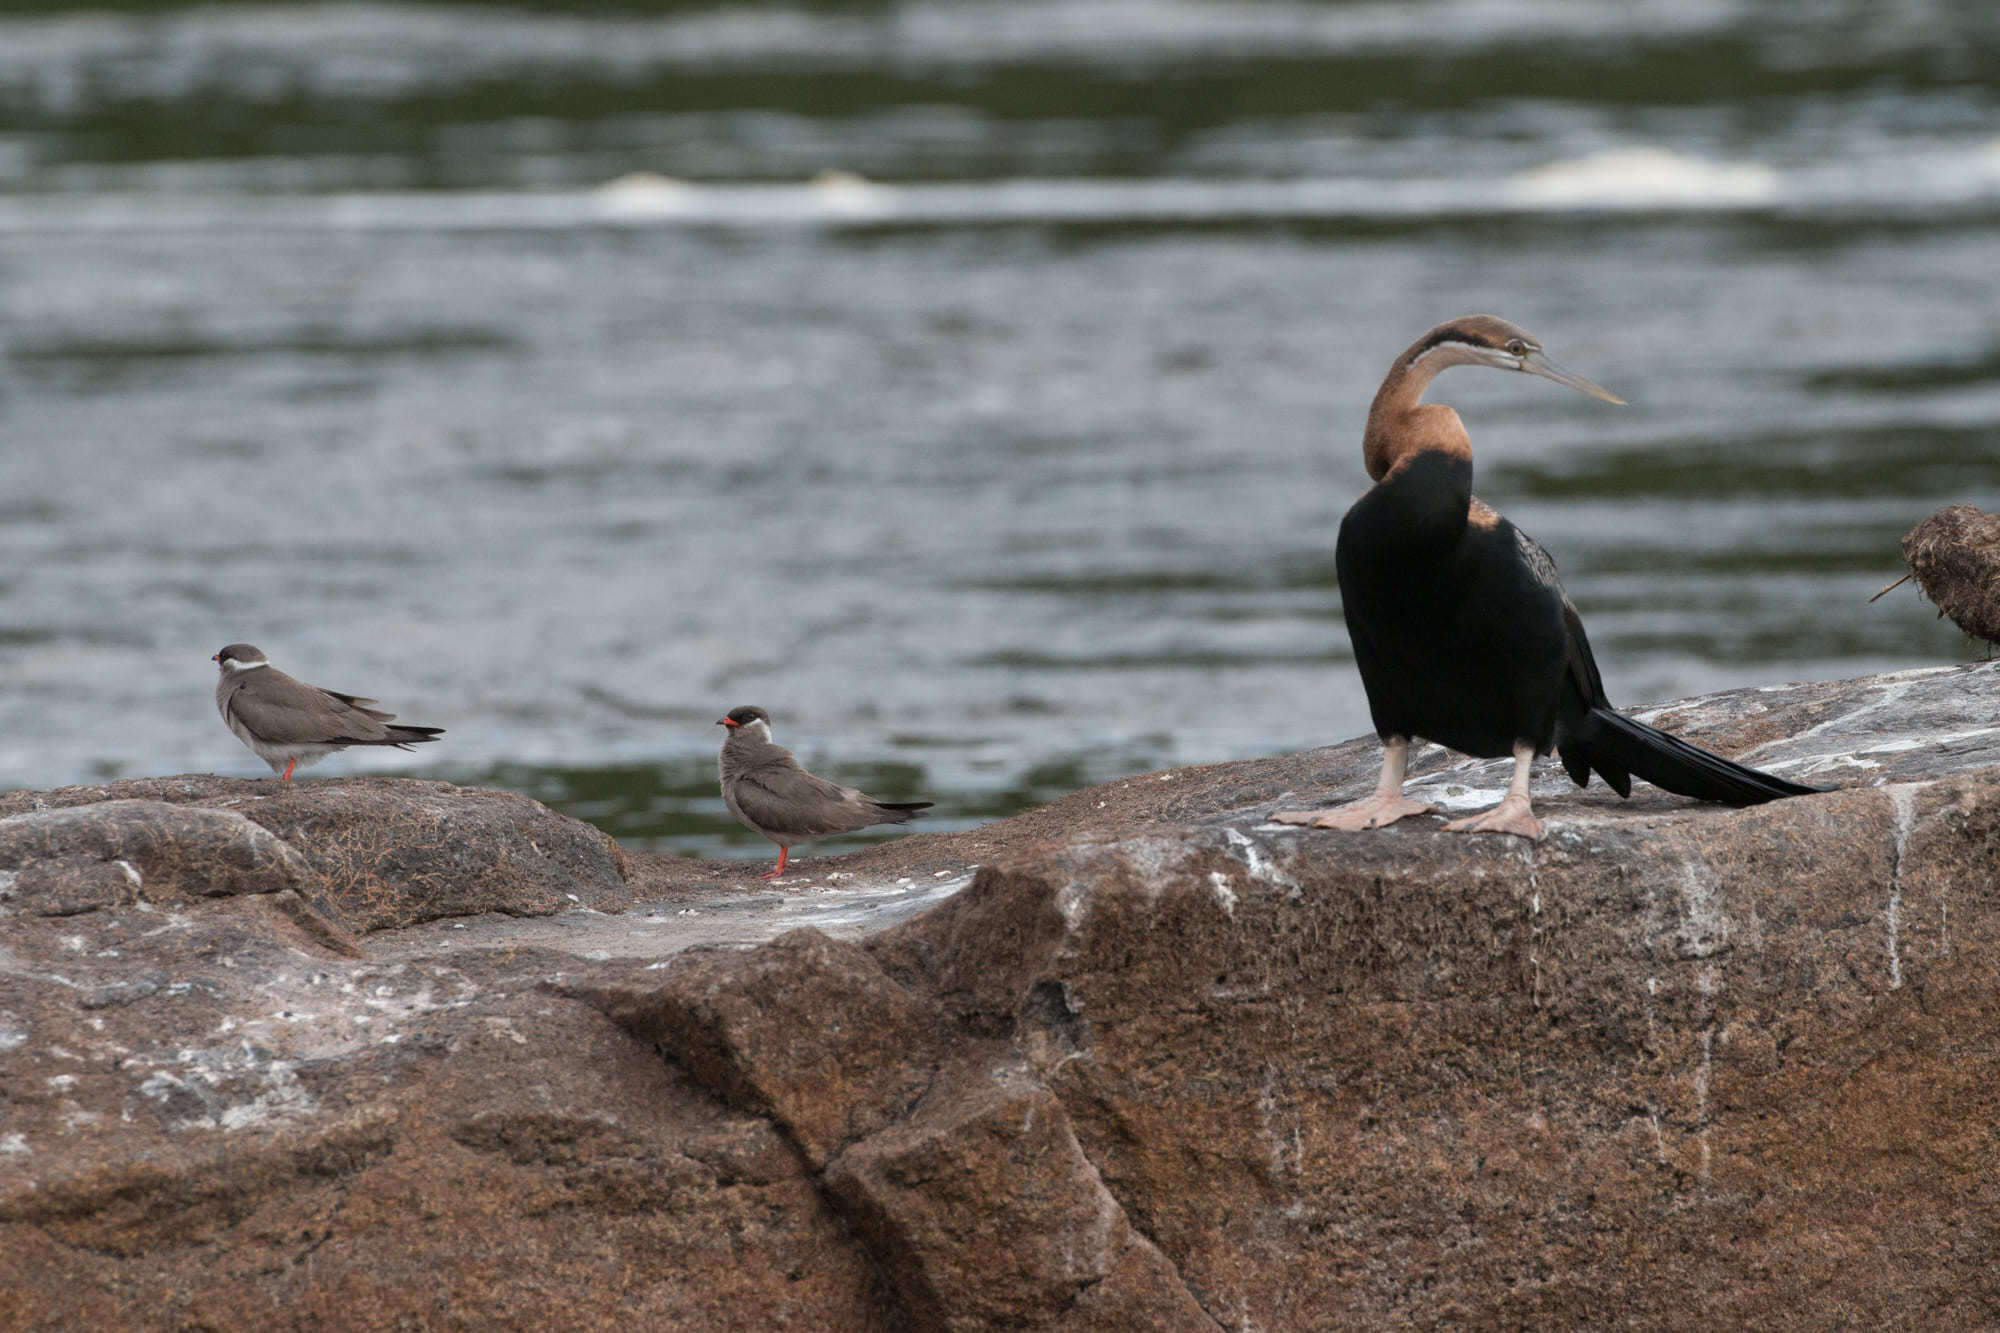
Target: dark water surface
(975,386)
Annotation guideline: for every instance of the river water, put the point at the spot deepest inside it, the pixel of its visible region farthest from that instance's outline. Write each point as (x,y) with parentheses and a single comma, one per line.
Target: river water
(975,386)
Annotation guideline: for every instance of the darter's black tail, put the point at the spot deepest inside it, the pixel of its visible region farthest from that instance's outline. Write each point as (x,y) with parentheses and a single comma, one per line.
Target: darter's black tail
(1620,749)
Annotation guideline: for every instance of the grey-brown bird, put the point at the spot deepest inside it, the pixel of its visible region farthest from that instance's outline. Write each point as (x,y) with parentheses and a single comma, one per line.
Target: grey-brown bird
(287,722)
(767,791)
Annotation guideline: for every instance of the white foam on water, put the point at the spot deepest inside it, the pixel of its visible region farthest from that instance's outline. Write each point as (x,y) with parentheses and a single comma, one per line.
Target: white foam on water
(1639,178)
(1643,177)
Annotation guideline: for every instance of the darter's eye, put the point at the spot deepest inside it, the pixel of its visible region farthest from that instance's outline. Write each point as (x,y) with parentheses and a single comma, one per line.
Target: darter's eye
(1517,348)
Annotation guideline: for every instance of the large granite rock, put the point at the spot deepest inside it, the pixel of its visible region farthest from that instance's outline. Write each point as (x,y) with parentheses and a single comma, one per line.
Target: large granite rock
(1158,1064)
(64,861)
(228,1112)
(380,852)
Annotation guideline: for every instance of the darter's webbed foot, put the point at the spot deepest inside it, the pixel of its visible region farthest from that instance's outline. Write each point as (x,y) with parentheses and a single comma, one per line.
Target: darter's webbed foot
(1377,811)
(1510,816)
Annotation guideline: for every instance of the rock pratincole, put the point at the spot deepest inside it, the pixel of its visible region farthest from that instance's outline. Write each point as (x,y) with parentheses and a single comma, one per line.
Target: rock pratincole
(287,722)
(768,792)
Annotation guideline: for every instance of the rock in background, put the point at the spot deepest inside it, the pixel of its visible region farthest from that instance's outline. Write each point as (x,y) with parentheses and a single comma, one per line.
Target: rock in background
(380,852)
(1159,1064)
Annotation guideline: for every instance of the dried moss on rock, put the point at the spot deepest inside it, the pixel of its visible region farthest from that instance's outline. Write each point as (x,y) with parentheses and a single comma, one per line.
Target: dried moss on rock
(1955,556)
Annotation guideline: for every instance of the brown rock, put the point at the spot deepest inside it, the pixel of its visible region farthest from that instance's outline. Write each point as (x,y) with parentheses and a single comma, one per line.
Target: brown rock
(385,852)
(213,1123)
(1660,1072)
(64,861)
(968,1188)
(1161,1064)
(806,1029)
(987,1214)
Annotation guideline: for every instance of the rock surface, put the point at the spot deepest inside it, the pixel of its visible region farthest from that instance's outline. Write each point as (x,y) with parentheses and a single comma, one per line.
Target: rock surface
(1158,1064)
(62,862)
(394,852)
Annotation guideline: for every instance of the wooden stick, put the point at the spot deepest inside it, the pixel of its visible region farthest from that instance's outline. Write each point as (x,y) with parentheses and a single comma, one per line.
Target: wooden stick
(1892,587)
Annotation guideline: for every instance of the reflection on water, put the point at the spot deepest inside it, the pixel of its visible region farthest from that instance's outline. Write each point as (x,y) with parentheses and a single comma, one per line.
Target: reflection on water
(977,387)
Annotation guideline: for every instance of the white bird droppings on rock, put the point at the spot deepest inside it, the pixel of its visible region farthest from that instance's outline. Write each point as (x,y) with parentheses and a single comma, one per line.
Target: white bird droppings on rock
(1223,893)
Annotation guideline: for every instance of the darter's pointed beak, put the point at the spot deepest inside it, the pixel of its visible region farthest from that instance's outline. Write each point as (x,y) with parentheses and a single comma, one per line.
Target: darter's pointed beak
(1537,364)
